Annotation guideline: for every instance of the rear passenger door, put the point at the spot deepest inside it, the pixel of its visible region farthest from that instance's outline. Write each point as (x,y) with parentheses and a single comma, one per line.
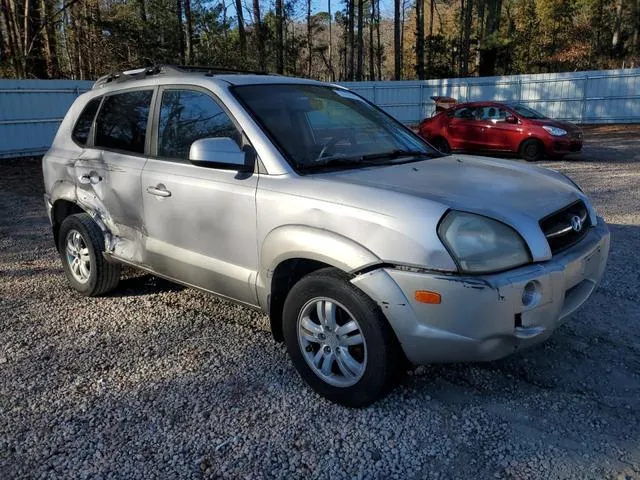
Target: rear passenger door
(108,171)
(200,221)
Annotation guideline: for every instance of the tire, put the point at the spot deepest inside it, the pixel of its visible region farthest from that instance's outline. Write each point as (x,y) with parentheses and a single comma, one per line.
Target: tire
(532,150)
(441,145)
(81,239)
(378,355)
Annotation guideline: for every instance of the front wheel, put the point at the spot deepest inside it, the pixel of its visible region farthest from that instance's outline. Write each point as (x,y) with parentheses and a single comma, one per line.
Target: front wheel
(338,339)
(81,247)
(532,150)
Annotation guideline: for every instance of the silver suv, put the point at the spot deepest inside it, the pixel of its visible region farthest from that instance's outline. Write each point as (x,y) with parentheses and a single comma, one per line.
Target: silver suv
(368,249)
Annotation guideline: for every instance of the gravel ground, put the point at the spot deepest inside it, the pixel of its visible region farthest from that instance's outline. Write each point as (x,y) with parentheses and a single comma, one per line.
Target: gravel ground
(158,381)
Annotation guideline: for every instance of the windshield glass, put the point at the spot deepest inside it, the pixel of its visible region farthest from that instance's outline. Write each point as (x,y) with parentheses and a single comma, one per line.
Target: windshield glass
(527,112)
(320,126)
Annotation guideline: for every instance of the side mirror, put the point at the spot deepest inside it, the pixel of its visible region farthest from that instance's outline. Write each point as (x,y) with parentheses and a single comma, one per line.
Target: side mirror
(511,119)
(223,153)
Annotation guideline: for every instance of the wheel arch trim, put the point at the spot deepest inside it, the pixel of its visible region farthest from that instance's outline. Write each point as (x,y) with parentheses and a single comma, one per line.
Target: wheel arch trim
(309,243)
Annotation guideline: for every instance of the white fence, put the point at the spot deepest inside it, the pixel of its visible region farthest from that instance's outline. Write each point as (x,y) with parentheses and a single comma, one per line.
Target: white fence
(607,96)
(31,110)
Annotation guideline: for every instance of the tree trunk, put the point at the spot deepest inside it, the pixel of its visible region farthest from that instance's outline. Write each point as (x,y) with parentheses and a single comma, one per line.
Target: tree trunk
(142,11)
(397,47)
(257,21)
(372,21)
(309,44)
(12,39)
(181,51)
(430,45)
(420,39)
(360,53)
(351,37)
(242,40)
(635,39)
(378,42)
(466,38)
(332,75)
(615,41)
(488,55)
(187,13)
(279,39)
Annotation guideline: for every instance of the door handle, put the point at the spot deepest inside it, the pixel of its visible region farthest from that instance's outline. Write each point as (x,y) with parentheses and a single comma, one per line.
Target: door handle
(159,190)
(91,177)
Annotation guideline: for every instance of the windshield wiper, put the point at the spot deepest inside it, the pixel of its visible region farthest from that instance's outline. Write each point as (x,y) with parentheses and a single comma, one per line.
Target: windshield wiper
(337,162)
(367,159)
(399,153)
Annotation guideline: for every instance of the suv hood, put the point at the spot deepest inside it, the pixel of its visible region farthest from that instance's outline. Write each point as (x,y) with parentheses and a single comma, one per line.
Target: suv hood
(505,190)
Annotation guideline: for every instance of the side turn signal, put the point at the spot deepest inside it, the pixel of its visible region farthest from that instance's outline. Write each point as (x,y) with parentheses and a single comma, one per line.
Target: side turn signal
(425,296)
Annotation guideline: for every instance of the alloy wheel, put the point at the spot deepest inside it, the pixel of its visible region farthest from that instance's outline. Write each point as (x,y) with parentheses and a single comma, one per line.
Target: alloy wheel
(332,342)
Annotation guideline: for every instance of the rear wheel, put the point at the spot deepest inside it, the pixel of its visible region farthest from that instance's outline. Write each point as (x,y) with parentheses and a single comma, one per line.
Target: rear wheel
(442,145)
(81,247)
(532,150)
(338,339)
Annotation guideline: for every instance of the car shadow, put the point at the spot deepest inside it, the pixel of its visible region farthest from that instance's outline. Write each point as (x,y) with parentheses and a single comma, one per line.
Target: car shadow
(136,283)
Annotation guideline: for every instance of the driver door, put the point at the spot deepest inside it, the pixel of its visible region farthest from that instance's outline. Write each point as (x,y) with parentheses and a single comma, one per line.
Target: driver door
(200,221)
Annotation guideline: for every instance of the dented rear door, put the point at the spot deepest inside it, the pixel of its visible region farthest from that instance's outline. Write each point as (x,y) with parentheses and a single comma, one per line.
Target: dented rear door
(108,174)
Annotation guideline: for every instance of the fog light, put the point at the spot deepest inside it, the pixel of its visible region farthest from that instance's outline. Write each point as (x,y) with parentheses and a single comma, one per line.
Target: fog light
(531,294)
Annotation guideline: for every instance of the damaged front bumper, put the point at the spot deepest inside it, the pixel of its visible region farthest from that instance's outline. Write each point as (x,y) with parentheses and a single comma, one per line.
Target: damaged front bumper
(485,317)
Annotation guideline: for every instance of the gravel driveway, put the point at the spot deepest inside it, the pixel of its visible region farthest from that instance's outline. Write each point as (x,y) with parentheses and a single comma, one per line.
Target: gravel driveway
(158,381)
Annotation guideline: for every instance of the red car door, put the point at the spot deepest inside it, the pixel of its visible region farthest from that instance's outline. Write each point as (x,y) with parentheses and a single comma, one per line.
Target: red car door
(460,128)
(503,130)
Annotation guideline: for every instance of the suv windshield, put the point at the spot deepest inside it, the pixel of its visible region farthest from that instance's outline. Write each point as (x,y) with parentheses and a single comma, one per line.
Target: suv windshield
(527,112)
(320,127)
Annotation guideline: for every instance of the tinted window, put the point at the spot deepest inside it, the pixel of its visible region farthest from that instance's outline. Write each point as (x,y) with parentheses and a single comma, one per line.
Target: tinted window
(83,125)
(464,113)
(495,114)
(527,112)
(187,116)
(122,121)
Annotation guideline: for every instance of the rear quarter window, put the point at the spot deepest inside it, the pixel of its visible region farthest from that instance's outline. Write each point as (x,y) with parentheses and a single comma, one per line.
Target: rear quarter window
(82,128)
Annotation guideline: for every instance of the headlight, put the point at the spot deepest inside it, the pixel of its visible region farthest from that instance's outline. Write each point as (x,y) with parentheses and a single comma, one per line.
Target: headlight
(555,131)
(480,244)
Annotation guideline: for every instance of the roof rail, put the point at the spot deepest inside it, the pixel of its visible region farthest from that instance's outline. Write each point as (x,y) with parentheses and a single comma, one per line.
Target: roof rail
(139,73)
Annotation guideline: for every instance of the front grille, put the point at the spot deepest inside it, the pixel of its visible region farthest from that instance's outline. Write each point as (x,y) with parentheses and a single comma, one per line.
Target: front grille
(576,135)
(561,228)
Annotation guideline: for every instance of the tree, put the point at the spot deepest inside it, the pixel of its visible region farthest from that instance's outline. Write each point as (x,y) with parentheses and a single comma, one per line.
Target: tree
(420,39)
(489,47)
(241,33)
(279,38)
(397,47)
(258,34)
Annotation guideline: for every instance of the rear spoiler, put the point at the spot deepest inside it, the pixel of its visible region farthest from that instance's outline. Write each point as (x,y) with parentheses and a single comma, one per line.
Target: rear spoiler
(443,103)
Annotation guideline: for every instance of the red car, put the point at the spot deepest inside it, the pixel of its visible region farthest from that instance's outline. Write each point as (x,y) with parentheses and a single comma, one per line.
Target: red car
(499,127)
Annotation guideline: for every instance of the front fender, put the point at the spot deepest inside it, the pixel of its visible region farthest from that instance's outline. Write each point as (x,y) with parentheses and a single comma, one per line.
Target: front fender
(299,241)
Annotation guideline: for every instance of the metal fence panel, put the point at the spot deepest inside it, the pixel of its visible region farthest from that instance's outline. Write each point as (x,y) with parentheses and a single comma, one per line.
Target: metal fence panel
(31,110)
(604,96)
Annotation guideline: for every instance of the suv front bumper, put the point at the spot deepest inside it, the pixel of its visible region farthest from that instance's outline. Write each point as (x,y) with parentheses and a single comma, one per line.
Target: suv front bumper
(483,317)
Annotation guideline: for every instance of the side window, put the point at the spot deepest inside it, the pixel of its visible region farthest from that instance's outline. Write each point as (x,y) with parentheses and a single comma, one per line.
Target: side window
(80,132)
(187,116)
(464,113)
(494,114)
(122,121)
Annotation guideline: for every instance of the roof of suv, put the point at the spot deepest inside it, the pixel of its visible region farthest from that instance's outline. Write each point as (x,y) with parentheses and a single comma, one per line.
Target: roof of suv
(233,77)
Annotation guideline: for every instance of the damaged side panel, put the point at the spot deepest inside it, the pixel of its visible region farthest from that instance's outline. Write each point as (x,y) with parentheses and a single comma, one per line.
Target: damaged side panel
(109,189)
